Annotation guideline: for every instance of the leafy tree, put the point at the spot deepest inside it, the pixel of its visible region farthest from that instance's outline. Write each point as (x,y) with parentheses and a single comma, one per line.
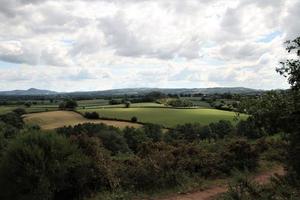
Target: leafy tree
(127,104)
(269,111)
(68,104)
(291,70)
(291,67)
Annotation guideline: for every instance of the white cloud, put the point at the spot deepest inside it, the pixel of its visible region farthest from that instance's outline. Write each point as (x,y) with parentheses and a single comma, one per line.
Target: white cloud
(167,43)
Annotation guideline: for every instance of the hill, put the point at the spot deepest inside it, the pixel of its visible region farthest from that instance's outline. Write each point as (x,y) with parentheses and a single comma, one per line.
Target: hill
(134,91)
(29,92)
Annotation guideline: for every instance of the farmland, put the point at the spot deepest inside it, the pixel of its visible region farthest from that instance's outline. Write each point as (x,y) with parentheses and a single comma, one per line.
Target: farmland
(167,117)
(56,119)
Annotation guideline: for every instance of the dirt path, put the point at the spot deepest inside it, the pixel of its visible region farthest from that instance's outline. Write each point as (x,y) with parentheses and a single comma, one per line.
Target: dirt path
(214,191)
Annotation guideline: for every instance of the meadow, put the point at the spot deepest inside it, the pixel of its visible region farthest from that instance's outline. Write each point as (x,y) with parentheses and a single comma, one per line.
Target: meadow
(167,117)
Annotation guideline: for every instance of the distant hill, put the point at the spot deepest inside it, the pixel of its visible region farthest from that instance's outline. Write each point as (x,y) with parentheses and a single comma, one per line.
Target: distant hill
(142,91)
(29,92)
(135,91)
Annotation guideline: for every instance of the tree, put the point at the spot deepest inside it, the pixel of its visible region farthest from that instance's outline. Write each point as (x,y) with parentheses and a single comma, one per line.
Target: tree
(68,104)
(134,119)
(291,70)
(127,104)
(291,67)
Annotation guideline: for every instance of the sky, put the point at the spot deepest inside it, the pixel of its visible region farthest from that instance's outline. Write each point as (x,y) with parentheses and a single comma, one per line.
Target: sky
(76,45)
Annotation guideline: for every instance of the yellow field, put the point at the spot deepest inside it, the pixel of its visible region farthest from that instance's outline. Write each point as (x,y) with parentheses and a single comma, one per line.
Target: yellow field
(56,119)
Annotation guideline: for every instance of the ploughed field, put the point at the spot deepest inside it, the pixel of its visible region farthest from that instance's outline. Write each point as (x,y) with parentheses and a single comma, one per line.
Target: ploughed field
(56,119)
(168,117)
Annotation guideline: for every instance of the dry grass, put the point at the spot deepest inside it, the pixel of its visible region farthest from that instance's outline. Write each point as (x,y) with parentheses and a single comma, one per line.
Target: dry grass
(56,119)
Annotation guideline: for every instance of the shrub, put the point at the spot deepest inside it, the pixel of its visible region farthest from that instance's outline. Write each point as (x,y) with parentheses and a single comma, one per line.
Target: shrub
(12,119)
(134,119)
(221,128)
(19,111)
(43,166)
(153,131)
(91,115)
(240,155)
(110,136)
(134,137)
(189,132)
(249,129)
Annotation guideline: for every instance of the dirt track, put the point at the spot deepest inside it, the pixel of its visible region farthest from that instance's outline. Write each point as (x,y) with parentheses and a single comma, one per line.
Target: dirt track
(214,191)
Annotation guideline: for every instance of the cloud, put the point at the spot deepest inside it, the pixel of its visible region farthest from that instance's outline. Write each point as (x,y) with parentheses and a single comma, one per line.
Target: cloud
(135,43)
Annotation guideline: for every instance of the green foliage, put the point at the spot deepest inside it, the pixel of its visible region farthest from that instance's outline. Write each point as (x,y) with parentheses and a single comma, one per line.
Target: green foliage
(12,119)
(240,155)
(110,136)
(68,104)
(249,129)
(180,103)
(43,166)
(291,67)
(189,132)
(91,115)
(153,131)
(134,119)
(127,104)
(20,111)
(269,111)
(134,137)
(221,128)
(243,188)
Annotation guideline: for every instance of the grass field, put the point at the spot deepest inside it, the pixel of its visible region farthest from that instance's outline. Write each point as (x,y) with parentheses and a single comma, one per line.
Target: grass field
(56,119)
(32,109)
(167,117)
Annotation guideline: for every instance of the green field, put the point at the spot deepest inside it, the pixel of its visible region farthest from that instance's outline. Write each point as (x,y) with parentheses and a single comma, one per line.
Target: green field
(56,119)
(32,109)
(167,117)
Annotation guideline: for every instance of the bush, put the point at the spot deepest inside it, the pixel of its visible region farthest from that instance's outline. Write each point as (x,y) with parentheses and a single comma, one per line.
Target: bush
(43,166)
(110,136)
(221,128)
(19,111)
(91,115)
(12,119)
(189,132)
(153,131)
(249,129)
(240,155)
(134,119)
(134,137)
